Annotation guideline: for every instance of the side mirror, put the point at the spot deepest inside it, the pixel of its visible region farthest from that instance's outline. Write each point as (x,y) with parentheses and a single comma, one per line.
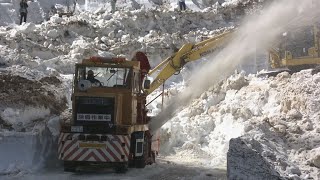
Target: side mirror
(146,84)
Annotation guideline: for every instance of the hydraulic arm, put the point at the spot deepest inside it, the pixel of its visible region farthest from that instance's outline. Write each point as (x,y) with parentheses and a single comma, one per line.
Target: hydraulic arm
(187,53)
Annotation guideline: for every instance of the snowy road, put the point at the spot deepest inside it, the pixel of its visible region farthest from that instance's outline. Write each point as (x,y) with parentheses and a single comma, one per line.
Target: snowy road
(163,170)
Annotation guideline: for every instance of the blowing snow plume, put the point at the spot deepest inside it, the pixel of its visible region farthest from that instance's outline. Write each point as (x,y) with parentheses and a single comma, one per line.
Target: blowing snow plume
(257,32)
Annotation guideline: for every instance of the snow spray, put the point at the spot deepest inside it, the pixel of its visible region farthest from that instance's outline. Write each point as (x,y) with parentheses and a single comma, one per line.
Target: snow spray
(258,31)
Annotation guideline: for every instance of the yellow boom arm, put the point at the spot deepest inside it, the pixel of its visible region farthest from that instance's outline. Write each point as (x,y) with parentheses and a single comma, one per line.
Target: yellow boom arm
(187,53)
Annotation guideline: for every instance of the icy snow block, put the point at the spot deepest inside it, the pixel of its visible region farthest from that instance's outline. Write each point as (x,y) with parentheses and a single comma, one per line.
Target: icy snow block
(244,161)
(17,152)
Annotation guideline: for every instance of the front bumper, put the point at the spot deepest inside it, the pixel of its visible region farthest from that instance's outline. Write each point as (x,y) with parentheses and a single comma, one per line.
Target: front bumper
(93,147)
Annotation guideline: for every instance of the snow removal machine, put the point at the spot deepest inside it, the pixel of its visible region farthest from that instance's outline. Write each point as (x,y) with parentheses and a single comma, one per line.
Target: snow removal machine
(297,49)
(109,124)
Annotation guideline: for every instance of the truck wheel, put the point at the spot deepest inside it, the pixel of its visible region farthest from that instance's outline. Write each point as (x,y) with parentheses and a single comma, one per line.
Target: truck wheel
(69,166)
(140,163)
(131,163)
(123,168)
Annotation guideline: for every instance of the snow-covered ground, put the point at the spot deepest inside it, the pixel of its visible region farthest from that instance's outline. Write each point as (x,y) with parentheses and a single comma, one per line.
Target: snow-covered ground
(276,117)
(163,170)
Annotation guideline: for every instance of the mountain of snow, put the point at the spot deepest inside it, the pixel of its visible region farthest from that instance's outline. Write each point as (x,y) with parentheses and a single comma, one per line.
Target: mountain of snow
(274,120)
(276,117)
(40,55)
(42,10)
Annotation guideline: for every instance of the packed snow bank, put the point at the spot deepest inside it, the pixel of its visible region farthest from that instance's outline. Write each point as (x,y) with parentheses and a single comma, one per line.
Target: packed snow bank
(240,106)
(16,152)
(52,48)
(29,120)
(243,152)
(42,10)
(26,152)
(287,128)
(57,44)
(276,117)
(258,32)
(201,131)
(36,61)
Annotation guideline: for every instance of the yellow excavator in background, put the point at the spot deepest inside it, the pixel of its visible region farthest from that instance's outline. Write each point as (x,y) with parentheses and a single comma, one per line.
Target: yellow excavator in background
(297,49)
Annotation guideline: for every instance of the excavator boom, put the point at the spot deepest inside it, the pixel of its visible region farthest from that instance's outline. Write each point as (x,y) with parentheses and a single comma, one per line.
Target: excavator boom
(187,53)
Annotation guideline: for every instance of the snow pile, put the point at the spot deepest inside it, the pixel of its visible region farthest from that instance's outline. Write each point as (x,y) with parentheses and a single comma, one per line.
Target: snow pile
(204,128)
(36,61)
(287,133)
(27,152)
(29,120)
(201,131)
(59,43)
(42,10)
(277,116)
(52,48)
(258,32)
